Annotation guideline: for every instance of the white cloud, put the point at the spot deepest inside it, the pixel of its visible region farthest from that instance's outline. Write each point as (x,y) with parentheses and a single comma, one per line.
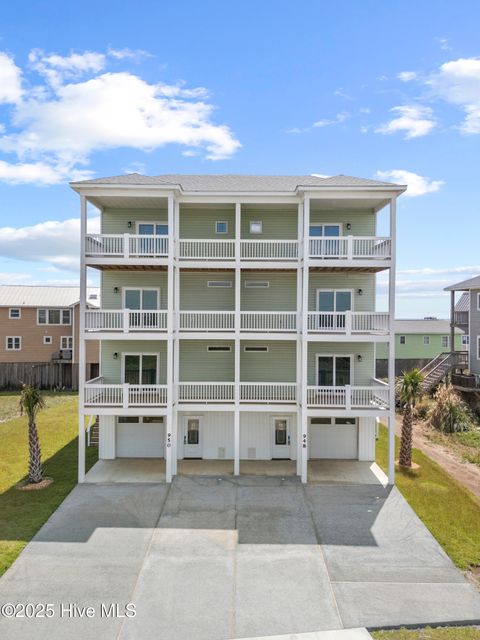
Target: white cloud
(319,175)
(133,54)
(54,242)
(444,44)
(407,76)
(10,80)
(458,82)
(417,185)
(453,271)
(339,118)
(56,126)
(414,120)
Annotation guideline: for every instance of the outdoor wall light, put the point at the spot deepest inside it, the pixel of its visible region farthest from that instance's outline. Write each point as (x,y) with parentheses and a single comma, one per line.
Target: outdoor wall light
(116,290)
(359,358)
(115,356)
(129,224)
(360,292)
(349,226)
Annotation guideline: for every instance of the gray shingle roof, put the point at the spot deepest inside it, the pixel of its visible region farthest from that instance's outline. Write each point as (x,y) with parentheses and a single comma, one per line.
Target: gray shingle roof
(464,303)
(465,285)
(238,183)
(424,326)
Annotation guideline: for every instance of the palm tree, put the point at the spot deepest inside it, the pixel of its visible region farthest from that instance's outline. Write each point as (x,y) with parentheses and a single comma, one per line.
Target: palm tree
(31,401)
(409,389)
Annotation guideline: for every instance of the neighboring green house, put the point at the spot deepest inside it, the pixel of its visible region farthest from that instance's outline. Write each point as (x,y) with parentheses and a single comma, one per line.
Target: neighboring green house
(416,343)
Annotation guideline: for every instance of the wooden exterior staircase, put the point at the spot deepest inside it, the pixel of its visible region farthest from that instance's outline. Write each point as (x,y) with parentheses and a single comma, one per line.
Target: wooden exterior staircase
(443,364)
(92,432)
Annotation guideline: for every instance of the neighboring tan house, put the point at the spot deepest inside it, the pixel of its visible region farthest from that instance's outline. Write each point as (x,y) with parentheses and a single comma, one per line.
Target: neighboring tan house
(238,318)
(39,324)
(465,314)
(417,342)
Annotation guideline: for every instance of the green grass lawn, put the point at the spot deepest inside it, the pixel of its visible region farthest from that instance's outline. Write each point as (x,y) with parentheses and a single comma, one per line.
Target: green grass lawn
(442,633)
(22,513)
(450,511)
(9,402)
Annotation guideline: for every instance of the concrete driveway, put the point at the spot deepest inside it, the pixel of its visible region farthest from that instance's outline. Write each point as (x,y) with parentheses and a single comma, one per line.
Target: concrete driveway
(212,559)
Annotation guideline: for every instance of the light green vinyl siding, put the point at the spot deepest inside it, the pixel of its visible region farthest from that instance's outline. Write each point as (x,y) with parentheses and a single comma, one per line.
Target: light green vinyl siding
(116,220)
(197,364)
(132,279)
(111,368)
(363,222)
(415,349)
(277,365)
(196,295)
(281,294)
(363,371)
(198,223)
(338,280)
(276,225)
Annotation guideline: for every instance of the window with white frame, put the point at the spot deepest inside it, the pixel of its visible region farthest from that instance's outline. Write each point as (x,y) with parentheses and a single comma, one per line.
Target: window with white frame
(426,340)
(219,284)
(403,340)
(54,316)
(13,343)
(218,348)
(465,340)
(66,342)
(257,284)
(255,349)
(256,226)
(47,339)
(14,313)
(221,226)
(445,342)
(478,301)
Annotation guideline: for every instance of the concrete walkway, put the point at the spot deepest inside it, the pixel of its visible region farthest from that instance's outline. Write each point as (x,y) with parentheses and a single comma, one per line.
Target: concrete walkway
(212,559)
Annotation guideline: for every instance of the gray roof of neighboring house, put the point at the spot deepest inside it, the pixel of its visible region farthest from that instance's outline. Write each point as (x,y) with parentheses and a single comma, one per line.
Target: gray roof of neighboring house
(464,303)
(424,326)
(38,296)
(238,183)
(465,285)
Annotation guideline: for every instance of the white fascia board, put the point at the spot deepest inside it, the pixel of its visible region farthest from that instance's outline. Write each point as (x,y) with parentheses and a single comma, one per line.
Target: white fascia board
(244,197)
(369,191)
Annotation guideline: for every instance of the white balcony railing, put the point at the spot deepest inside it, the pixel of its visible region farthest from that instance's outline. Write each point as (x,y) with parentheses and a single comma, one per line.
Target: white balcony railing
(351,248)
(349,397)
(207,249)
(207,320)
(269,249)
(99,394)
(126,320)
(268,321)
(206,391)
(348,322)
(125,245)
(268,392)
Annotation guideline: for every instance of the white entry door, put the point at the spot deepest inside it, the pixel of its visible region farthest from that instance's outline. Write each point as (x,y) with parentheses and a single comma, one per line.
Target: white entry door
(281,438)
(192,438)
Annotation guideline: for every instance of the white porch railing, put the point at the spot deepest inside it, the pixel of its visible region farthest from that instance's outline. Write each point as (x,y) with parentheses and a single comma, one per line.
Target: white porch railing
(268,392)
(269,249)
(351,248)
(348,322)
(206,391)
(207,249)
(207,320)
(268,321)
(349,397)
(99,394)
(125,245)
(125,320)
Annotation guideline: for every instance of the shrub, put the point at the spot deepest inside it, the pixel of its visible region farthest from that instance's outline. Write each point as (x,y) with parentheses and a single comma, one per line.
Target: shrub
(449,413)
(422,409)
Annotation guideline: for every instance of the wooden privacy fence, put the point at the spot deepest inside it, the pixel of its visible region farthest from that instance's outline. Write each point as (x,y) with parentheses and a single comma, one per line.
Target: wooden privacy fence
(44,375)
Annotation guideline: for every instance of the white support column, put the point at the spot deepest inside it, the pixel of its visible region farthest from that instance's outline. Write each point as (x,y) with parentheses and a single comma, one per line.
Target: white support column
(81,341)
(300,413)
(238,284)
(170,328)
(391,344)
(176,335)
(305,284)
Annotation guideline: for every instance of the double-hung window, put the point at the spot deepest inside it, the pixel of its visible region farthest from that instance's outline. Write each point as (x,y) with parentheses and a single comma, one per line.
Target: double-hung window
(445,342)
(54,316)
(66,342)
(13,343)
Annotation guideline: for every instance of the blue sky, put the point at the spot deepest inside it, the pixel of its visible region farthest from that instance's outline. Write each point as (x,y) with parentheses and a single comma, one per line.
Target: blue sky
(371,88)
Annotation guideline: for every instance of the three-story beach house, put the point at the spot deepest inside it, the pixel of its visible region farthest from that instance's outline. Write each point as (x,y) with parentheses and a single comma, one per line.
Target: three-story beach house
(238,318)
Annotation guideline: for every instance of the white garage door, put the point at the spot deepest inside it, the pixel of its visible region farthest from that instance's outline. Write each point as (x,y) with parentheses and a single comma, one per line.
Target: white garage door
(333,441)
(138,440)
